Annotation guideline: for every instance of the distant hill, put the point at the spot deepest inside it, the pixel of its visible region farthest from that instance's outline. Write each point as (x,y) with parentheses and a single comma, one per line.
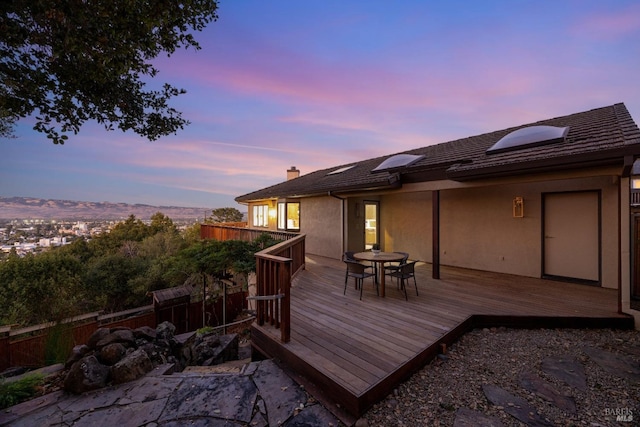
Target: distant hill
(29,207)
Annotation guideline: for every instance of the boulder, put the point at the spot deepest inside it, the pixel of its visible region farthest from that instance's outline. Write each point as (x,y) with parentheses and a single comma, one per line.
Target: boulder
(98,335)
(133,366)
(85,375)
(145,332)
(165,331)
(212,349)
(77,353)
(112,353)
(122,336)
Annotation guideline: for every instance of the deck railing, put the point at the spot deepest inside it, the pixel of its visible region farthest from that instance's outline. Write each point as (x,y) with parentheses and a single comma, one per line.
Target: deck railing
(239,231)
(275,268)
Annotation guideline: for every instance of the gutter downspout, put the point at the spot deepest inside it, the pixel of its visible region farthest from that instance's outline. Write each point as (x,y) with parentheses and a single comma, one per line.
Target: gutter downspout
(342,229)
(626,173)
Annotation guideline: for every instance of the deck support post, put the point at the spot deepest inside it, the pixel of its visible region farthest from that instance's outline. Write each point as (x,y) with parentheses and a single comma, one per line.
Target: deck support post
(435,234)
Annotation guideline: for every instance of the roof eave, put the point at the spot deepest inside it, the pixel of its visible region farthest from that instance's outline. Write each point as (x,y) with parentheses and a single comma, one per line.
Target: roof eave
(618,157)
(392,182)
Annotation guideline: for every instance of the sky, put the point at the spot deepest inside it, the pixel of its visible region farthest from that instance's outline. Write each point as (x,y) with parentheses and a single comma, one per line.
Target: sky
(317,84)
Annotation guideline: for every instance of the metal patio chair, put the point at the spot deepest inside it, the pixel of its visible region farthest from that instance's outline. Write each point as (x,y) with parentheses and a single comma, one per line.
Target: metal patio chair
(359,273)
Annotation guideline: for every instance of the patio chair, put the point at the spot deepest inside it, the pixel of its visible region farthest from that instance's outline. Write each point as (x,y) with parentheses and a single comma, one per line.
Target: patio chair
(404,273)
(359,273)
(348,256)
(394,267)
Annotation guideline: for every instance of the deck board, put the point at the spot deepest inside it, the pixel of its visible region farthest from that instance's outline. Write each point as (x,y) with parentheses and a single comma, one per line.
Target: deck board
(356,351)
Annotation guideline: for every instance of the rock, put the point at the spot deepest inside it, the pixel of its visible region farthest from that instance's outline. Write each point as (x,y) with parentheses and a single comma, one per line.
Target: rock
(98,335)
(145,332)
(77,353)
(614,364)
(566,369)
(514,406)
(466,417)
(85,375)
(133,366)
(212,349)
(165,331)
(13,372)
(533,383)
(112,353)
(122,336)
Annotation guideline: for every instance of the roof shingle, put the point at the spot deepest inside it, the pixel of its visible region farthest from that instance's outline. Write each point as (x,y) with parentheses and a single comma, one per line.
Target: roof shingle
(599,136)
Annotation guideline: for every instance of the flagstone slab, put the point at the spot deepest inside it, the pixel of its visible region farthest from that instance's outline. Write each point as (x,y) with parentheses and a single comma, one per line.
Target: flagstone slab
(229,397)
(466,417)
(534,384)
(514,406)
(615,364)
(566,369)
(281,395)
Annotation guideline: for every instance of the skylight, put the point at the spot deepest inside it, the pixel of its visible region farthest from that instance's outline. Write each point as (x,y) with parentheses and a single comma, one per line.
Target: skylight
(397,161)
(340,170)
(529,137)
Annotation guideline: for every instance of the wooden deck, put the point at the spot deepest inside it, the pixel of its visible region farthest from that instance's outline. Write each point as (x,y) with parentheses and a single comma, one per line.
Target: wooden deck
(352,353)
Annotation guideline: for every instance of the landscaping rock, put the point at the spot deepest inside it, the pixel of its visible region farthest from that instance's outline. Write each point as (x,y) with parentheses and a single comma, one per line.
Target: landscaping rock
(534,384)
(145,332)
(615,364)
(466,417)
(566,369)
(133,366)
(514,406)
(112,353)
(212,349)
(85,375)
(98,335)
(122,336)
(165,331)
(77,353)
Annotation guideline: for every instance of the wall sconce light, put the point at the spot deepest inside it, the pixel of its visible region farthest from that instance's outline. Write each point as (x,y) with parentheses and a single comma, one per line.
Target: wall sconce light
(518,207)
(272,213)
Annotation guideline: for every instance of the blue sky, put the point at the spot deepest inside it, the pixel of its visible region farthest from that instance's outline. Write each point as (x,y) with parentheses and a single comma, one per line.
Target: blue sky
(316,84)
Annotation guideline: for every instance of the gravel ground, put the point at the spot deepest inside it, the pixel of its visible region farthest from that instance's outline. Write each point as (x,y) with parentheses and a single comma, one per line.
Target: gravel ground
(436,394)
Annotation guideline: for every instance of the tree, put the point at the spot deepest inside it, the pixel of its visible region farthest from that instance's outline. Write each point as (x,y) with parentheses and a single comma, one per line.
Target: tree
(69,62)
(225,215)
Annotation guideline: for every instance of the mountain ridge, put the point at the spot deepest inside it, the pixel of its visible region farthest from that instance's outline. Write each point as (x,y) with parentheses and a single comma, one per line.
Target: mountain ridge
(37,208)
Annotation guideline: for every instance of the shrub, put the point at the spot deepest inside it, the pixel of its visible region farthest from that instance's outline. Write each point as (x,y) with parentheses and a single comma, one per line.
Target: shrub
(12,393)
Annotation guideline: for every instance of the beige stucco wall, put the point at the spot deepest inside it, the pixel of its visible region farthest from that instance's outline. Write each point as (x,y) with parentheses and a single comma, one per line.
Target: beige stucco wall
(405,220)
(321,220)
(478,230)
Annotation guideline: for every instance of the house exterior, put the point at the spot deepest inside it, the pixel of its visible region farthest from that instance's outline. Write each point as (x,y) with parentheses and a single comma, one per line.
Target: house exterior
(551,199)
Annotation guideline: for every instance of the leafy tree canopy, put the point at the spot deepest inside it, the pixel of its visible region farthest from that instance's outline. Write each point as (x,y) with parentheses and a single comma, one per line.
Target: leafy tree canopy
(73,61)
(225,215)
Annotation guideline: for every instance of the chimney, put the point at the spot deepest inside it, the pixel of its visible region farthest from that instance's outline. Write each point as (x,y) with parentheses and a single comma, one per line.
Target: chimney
(292,173)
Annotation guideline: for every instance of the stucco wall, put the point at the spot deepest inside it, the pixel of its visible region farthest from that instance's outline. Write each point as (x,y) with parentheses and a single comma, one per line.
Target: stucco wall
(405,220)
(478,230)
(321,221)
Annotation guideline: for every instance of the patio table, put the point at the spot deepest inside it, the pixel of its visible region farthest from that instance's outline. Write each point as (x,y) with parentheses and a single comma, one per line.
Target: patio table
(379,258)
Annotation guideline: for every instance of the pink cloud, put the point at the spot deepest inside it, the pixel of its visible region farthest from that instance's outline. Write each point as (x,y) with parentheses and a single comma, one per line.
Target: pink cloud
(610,25)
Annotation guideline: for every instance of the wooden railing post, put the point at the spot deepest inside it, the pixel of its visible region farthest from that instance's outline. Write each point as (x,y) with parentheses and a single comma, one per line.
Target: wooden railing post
(275,268)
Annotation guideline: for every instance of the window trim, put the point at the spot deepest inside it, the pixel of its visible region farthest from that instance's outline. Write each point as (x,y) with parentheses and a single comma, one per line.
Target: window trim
(283,215)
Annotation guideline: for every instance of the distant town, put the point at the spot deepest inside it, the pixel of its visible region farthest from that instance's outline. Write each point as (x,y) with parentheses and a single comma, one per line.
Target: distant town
(36,235)
(31,225)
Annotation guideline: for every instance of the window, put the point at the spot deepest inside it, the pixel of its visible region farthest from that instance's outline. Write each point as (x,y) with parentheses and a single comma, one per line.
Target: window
(289,216)
(261,216)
